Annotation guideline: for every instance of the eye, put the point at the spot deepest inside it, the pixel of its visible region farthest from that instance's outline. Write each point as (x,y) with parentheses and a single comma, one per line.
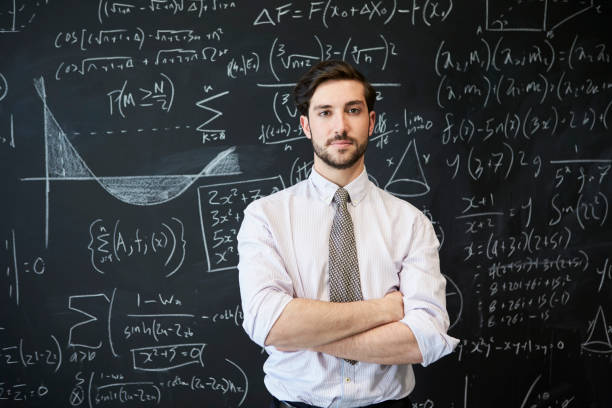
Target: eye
(324,113)
(355,111)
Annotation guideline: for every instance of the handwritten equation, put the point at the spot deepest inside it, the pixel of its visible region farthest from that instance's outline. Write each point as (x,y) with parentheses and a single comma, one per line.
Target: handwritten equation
(110,245)
(221,207)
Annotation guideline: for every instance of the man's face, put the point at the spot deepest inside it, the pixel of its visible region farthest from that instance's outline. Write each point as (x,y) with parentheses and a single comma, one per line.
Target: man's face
(338,123)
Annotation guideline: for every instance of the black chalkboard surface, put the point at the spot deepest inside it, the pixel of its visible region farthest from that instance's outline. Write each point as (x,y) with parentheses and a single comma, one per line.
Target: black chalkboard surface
(134,133)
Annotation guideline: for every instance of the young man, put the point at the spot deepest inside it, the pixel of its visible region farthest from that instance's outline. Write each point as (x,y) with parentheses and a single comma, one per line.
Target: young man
(340,281)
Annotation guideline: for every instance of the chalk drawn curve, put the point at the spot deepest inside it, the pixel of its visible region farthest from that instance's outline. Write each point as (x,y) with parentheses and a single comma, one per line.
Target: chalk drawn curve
(3,87)
(154,190)
(64,162)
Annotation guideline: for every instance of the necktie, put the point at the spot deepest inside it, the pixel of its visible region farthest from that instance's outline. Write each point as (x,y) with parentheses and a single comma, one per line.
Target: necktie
(344,281)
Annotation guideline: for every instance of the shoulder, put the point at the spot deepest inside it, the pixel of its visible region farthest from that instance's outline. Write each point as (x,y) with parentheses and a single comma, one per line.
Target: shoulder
(278,200)
(409,226)
(402,217)
(394,204)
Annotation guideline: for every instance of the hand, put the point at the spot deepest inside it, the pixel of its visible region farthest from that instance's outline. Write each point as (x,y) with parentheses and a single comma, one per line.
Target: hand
(394,301)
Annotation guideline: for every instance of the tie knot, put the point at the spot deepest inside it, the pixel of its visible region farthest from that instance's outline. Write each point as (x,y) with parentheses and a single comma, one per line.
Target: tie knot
(341,197)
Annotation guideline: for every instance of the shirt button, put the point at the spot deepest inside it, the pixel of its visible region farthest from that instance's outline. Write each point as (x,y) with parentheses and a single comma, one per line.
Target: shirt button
(348,380)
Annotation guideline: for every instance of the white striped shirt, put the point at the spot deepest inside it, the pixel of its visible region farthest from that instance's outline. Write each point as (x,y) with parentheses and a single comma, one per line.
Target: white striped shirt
(283,248)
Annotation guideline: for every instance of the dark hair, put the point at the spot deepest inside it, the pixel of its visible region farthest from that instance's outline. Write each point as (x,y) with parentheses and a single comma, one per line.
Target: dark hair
(327,71)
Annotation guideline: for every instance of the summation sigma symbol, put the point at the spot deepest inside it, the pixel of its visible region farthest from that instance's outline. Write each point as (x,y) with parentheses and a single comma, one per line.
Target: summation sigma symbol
(111,246)
(211,134)
(64,163)
(156,333)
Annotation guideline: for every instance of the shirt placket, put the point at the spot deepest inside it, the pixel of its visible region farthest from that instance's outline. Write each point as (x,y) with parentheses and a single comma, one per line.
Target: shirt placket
(349,384)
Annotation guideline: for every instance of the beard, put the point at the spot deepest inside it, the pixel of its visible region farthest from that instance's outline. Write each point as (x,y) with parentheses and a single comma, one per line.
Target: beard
(339,163)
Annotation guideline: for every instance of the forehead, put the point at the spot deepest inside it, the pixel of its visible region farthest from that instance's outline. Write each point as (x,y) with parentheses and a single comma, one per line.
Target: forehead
(338,92)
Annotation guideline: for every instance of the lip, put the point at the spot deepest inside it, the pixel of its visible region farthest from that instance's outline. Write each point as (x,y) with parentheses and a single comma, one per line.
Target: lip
(341,143)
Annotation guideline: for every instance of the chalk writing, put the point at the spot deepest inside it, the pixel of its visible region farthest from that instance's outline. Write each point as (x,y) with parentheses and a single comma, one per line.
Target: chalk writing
(221,207)
(108,245)
(134,134)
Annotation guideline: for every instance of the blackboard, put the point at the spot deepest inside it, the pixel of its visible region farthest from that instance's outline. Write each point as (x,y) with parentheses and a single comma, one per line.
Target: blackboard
(134,133)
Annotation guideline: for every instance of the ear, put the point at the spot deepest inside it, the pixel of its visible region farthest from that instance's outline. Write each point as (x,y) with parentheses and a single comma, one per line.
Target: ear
(372,122)
(305,125)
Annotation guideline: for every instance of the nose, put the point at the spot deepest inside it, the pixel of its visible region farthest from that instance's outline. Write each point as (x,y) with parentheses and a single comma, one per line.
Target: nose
(340,124)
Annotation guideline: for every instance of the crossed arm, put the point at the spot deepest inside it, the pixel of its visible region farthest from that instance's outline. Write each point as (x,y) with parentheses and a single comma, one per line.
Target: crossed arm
(367,330)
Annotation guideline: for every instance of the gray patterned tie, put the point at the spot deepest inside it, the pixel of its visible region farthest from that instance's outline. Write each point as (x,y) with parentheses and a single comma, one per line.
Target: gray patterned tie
(344,281)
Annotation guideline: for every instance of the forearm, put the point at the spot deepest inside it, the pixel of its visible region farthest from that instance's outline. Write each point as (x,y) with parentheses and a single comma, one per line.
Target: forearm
(392,343)
(306,323)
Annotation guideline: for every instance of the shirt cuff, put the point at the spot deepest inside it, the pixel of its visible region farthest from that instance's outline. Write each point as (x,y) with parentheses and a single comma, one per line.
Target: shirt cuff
(433,342)
(257,323)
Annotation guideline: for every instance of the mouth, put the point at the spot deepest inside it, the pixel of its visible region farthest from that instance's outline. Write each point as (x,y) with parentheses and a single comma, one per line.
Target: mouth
(340,142)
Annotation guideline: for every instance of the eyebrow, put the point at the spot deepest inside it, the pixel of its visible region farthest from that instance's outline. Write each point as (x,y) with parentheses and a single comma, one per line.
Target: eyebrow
(349,103)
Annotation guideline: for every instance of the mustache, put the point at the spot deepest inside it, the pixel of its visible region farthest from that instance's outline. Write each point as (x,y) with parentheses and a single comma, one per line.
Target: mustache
(340,136)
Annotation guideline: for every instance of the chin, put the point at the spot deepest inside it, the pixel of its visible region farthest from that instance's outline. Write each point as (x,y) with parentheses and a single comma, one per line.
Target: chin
(345,163)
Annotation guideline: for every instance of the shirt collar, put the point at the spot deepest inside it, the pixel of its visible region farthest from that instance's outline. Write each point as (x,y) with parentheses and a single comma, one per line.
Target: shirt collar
(325,189)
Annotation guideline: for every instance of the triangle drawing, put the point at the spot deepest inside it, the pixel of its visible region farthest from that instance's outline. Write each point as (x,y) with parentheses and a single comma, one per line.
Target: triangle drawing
(598,340)
(408,179)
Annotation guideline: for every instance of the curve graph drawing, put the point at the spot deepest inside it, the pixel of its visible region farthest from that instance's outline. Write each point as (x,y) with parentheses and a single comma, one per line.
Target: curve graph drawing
(64,163)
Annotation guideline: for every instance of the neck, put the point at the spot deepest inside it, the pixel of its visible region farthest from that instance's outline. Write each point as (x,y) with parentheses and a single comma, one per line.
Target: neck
(340,177)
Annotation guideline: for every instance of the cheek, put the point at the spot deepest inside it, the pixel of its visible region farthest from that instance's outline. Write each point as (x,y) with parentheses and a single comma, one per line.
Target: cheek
(364,126)
(317,128)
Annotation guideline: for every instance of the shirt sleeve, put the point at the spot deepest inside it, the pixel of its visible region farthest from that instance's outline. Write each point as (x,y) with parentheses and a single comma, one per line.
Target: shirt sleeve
(424,290)
(265,286)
